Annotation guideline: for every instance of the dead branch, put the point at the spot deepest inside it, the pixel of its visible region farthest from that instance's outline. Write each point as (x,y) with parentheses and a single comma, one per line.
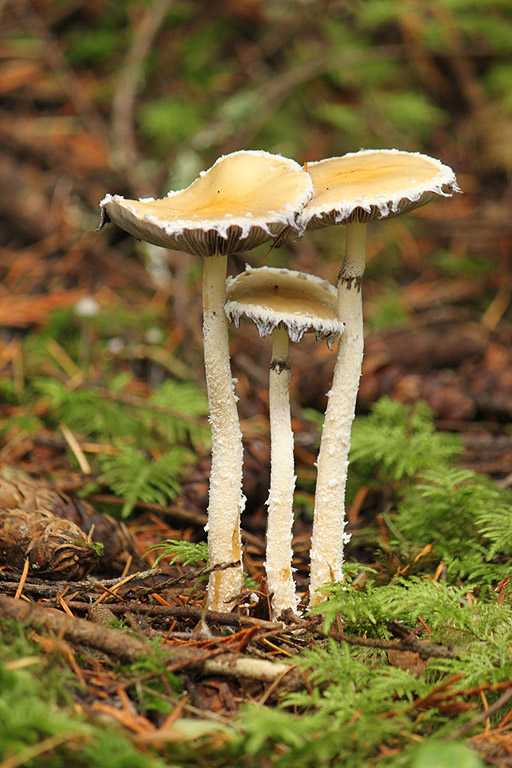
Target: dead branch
(124,144)
(421,647)
(482,716)
(252,669)
(174,511)
(114,642)
(118,643)
(49,590)
(196,613)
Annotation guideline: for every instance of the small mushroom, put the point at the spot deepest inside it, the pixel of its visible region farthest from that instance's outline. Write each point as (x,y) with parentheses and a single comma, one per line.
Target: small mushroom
(243,200)
(353,190)
(286,304)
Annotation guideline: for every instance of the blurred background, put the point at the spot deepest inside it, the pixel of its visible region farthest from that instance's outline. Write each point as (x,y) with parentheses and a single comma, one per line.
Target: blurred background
(136,97)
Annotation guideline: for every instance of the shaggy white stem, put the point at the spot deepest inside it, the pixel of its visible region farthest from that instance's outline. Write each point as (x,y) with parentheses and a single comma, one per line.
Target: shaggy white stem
(329,516)
(282,480)
(226,501)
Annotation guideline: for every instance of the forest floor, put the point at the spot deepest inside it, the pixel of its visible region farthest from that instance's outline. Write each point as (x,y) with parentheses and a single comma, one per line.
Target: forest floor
(107,653)
(101,632)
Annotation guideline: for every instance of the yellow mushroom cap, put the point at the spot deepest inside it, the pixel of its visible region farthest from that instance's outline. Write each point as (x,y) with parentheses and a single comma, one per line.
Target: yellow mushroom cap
(243,200)
(270,296)
(373,184)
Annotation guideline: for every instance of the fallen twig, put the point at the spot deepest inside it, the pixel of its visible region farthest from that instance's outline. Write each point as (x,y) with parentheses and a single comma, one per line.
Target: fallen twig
(173,511)
(124,143)
(189,612)
(49,589)
(421,647)
(482,716)
(118,643)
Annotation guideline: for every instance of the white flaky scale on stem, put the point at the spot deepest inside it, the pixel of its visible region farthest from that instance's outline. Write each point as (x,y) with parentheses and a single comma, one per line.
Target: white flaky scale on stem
(353,190)
(245,199)
(286,304)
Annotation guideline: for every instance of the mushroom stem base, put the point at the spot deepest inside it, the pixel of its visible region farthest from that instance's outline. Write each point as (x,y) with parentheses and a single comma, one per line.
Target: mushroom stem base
(226,501)
(279,553)
(329,536)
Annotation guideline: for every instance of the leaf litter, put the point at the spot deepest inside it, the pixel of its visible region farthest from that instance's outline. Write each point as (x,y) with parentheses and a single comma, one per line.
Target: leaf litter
(408,662)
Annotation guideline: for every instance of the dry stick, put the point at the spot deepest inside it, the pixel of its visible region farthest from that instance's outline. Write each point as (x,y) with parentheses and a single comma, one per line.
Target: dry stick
(195,518)
(422,648)
(51,588)
(193,612)
(23,579)
(111,641)
(193,575)
(120,644)
(253,669)
(483,716)
(124,144)
(86,584)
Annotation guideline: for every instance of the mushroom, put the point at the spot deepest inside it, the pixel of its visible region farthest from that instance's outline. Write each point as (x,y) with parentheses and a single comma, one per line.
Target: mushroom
(243,200)
(353,190)
(286,304)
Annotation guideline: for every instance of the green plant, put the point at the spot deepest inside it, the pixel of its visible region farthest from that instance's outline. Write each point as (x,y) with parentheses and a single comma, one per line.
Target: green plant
(134,476)
(184,551)
(396,442)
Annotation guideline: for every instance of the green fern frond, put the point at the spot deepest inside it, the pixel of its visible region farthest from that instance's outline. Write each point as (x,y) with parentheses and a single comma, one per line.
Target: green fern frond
(86,412)
(465,517)
(185,399)
(398,441)
(186,552)
(135,477)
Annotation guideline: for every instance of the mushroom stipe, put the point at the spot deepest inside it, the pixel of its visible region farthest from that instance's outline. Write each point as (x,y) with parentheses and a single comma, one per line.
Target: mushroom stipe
(245,199)
(286,305)
(353,190)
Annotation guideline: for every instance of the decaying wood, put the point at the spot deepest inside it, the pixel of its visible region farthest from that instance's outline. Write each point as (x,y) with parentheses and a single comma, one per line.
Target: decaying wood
(423,648)
(252,669)
(196,613)
(120,644)
(55,548)
(110,641)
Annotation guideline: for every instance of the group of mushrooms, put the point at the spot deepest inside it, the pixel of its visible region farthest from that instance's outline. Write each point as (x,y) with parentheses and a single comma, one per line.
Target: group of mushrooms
(247,198)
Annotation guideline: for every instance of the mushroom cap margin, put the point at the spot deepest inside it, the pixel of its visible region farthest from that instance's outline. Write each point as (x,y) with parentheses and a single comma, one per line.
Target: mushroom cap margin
(244,199)
(270,296)
(373,184)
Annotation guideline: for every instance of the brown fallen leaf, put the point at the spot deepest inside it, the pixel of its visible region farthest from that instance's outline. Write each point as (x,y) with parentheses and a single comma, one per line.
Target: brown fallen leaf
(407,660)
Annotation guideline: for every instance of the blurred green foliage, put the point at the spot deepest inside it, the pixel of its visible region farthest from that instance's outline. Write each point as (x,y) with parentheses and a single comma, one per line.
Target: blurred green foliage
(148,441)
(304,78)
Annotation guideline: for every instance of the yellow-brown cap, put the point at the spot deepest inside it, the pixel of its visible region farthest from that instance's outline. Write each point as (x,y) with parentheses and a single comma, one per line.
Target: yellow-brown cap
(373,184)
(269,296)
(243,200)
